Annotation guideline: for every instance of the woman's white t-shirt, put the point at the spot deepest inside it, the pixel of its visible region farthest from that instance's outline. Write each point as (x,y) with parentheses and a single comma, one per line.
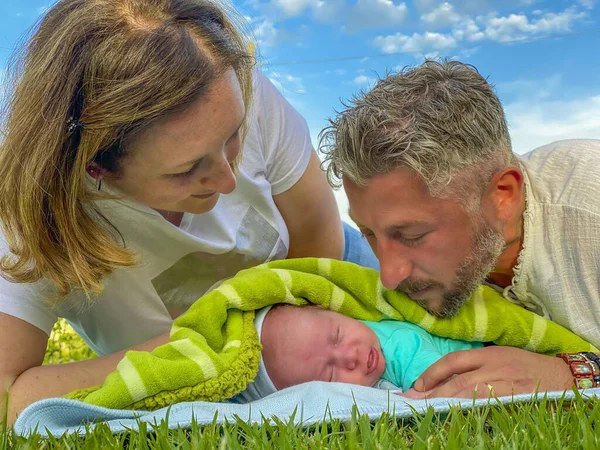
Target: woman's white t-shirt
(179,264)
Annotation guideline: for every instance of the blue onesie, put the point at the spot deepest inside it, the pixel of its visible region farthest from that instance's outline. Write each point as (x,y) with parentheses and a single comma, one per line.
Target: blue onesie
(408,350)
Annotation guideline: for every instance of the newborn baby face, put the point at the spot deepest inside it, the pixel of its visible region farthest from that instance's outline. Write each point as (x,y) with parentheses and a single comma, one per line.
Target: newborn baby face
(303,344)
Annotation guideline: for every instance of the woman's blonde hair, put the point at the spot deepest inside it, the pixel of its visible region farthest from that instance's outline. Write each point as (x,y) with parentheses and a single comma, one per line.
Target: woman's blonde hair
(115,66)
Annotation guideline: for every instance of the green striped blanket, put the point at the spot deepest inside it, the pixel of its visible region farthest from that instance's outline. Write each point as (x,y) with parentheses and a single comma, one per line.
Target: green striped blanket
(214,351)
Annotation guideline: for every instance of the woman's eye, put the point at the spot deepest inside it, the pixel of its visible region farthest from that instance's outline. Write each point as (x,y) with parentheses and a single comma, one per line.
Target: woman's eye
(189,172)
(184,174)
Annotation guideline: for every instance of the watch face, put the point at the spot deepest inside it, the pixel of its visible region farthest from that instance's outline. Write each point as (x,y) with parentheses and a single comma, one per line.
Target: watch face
(584,383)
(581,369)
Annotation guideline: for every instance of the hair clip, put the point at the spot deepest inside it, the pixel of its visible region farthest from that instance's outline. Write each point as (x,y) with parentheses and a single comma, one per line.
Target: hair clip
(73,124)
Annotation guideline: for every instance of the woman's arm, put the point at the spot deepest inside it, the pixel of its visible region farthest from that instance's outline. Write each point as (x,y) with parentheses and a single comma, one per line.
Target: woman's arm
(24,380)
(311,215)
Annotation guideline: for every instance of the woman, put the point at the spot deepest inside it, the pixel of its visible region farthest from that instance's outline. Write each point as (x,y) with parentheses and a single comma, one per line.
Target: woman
(125,127)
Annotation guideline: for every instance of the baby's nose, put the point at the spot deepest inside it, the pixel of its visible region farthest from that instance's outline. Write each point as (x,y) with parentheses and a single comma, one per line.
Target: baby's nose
(347,357)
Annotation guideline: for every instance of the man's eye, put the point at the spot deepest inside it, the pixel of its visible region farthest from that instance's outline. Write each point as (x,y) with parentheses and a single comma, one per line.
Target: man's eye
(367,234)
(336,341)
(412,241)
(331,375)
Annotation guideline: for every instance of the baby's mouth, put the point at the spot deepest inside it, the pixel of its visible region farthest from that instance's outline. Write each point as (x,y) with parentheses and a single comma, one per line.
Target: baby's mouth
(372,360)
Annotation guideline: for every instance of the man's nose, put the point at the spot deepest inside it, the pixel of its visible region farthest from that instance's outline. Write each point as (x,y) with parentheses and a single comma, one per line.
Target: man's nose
(394,264)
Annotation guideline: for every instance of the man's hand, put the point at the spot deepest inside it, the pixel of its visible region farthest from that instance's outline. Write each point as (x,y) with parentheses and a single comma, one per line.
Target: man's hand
(492,371)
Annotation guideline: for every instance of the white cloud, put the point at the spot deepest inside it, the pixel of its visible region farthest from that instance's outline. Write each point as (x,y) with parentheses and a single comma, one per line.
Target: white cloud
(294,7)
(536,116)
(355,16)
(376,14)
(533,90)
(425,5)
(519,26)
(266,34)
(442,16)
(468,30)
(533,125)
(322,10)
(328,11)
(417,43)
(364,80)
(467,53)
(336,72)
(589,4)
(297,83)
(287,84)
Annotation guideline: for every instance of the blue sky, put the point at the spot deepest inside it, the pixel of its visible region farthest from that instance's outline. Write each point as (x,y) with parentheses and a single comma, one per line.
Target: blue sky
(542,56)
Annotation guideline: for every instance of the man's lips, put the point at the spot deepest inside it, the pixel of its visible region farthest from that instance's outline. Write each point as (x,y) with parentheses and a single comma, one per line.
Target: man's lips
(418,294)
(372,360)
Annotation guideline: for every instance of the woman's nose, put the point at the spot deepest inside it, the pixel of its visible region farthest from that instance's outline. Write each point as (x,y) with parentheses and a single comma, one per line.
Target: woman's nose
(222,179)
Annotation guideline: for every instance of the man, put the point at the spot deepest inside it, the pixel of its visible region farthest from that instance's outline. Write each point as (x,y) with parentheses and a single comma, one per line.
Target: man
(426,161)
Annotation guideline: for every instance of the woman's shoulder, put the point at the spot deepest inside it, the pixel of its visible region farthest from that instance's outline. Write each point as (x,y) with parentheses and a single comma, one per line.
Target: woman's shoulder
(29,302)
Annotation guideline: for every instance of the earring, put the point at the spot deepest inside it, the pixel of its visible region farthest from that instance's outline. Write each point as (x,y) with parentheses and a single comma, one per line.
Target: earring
(96,174)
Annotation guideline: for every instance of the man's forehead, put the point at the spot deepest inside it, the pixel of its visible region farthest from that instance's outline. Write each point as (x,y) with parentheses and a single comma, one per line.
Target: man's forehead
(391,223)
(395,200)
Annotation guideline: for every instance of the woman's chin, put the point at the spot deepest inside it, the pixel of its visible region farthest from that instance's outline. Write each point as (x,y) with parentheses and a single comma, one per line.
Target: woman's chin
(195,205)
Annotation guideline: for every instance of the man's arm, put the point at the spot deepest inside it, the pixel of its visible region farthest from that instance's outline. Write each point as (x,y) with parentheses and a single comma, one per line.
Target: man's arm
(493,371)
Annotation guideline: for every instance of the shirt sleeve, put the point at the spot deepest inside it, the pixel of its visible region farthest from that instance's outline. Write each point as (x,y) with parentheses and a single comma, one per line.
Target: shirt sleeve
(285,137)
(25,301)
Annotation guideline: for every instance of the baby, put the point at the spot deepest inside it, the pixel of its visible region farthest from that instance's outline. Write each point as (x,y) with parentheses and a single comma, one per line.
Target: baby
(309,343)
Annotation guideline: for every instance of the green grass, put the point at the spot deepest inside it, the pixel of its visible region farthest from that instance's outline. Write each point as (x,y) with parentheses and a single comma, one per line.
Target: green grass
(65,345)
(533,425)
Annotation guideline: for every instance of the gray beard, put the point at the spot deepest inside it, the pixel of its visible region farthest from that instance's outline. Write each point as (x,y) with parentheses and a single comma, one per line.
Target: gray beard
(487,246)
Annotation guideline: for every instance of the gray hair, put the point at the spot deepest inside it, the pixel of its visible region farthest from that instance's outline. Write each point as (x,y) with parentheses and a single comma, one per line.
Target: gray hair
(440,119)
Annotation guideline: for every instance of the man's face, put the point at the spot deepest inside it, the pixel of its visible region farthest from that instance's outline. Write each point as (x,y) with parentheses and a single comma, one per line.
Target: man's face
(428,247)
(303,344)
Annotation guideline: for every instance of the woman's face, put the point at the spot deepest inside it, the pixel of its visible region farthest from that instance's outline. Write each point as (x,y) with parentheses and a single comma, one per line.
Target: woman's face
(182,163)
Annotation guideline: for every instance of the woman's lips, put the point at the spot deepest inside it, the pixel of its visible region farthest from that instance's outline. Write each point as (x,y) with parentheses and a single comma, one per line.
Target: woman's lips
(204,196)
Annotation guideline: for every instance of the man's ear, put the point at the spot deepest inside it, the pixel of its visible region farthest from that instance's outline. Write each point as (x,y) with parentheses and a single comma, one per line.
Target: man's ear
(504,193)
